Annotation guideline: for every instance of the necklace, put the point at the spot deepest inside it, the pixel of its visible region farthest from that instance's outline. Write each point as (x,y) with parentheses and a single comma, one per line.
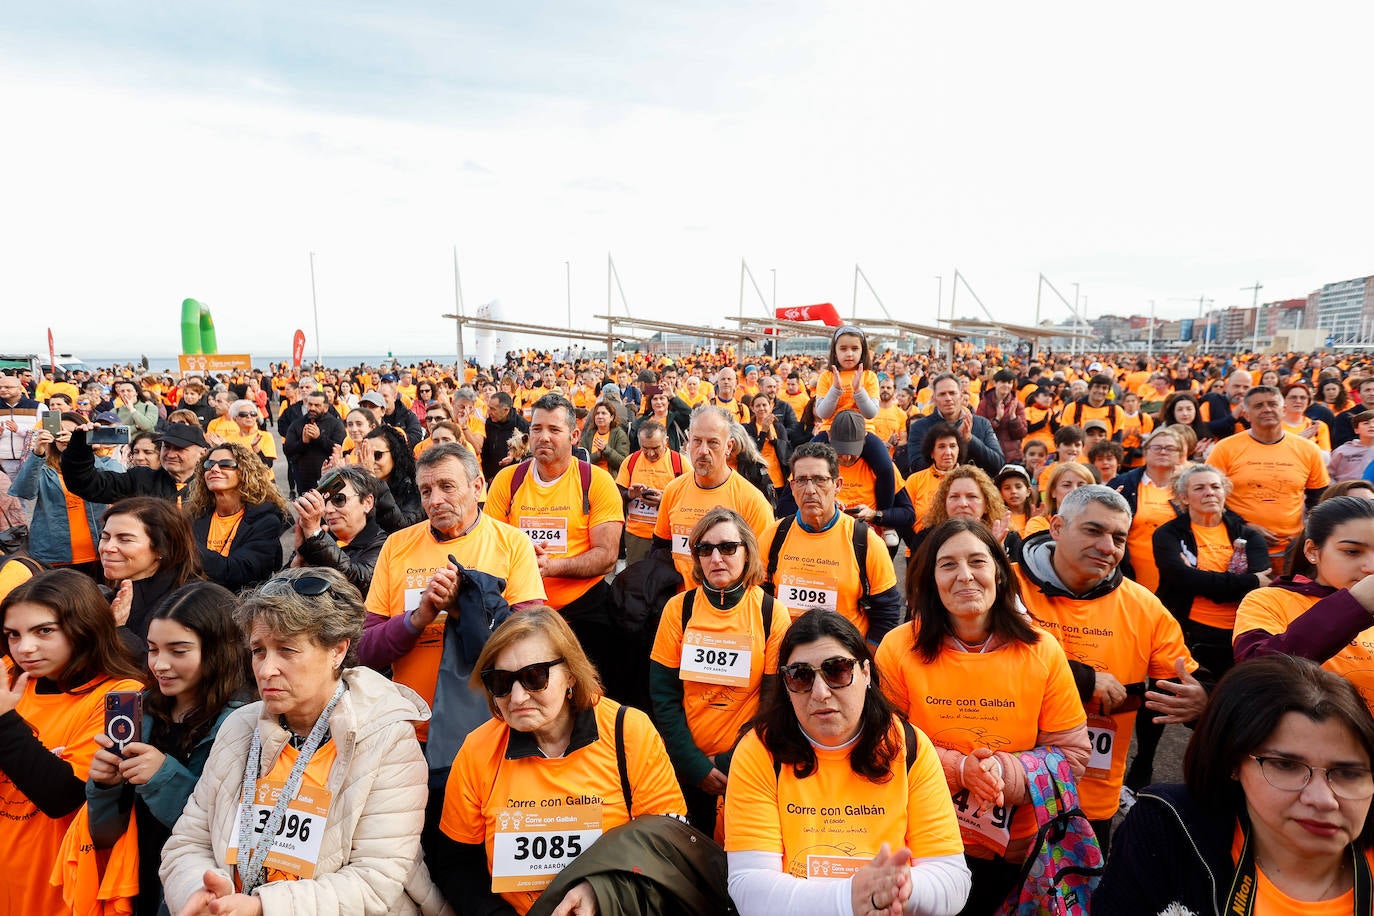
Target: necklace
(1326,891)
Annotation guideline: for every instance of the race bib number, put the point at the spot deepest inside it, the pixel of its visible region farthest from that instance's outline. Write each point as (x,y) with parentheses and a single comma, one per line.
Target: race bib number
(532,846)
(549,530)
(642,510)
(716,658)
(682,540)
(296,847)
(833,866)
(801,597)
(991,827)
(1102,734)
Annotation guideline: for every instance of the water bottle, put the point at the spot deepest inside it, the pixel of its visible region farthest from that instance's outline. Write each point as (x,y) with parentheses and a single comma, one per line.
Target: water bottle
(1239,563)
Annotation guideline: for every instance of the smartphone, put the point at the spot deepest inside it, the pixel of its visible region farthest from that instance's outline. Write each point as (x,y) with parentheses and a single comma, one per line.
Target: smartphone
(331,483)
(124,718)
(853,510)
(52,422)
(108,435)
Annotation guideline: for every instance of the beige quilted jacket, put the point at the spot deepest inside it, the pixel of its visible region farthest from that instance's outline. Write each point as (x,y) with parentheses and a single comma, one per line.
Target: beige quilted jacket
(370,860)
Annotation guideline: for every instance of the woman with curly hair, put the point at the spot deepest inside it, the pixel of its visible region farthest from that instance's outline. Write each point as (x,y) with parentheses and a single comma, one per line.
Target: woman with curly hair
(967,492)
(237,515)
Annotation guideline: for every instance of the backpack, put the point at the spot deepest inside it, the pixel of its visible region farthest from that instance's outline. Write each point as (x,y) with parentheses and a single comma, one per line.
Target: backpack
(1065,861)
(690,598)
(640,591)
(584,470)
(1078,414)
(673,455)
(860,556)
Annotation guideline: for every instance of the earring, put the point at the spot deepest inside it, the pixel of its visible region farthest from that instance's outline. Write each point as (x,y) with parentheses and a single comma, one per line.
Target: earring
(568,694)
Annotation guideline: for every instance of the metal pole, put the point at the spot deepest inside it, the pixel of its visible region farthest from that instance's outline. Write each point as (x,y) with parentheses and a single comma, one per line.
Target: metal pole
(854,302)
(1078,326)
(458,305)
(742,268)
(1254,303)
(567,271)
(939,299)
(774,272)
(315,306)
(1150,352)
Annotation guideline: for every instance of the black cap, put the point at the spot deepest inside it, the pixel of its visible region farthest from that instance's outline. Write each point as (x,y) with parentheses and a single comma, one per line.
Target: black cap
(184,434)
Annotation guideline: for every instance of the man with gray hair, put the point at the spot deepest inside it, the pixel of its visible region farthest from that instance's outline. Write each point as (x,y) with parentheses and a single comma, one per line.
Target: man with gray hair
(1115,632)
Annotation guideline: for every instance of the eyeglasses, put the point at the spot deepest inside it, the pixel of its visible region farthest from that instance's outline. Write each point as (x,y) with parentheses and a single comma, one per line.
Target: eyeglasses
(227,463)
(1163,449)
(1351,783)
(338,500)
(801,483)
(727,548)
(837,671)
(533,678)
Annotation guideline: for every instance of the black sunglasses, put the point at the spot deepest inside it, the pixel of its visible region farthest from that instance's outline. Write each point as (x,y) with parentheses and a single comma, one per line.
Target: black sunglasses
(227,463)
(703,549)
(338,500)
(306,586)
(378,456)
(533,678)
(837,671)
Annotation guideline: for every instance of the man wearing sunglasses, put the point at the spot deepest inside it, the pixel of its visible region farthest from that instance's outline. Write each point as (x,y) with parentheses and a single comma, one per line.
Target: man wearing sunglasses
(415,583)
(310,441)
(339,530)
(183,447)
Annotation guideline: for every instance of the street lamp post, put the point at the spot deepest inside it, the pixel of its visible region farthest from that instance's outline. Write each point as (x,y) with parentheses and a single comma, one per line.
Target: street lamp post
(567,272)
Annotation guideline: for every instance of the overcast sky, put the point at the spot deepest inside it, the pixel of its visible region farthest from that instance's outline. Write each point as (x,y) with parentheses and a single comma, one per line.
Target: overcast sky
(157,151)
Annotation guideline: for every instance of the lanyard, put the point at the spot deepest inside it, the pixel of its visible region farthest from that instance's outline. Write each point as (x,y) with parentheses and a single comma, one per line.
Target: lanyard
(251,873)
(1240,899)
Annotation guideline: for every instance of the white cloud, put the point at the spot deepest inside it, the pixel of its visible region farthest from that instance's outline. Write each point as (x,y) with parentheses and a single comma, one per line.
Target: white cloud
(1166,153)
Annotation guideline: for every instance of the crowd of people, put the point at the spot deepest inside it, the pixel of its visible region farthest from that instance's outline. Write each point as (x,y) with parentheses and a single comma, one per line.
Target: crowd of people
(688,634)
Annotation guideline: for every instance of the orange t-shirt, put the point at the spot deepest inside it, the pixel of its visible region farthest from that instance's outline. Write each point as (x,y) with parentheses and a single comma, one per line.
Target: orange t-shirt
(1127,633)
(312,792)
(222,531)
(409,559)
(640,516)
(1001,700)
(848,382)
(498,801)
(1214,551)
(889,421)
(1270,480)
(78,526)
(833,822)
(1273,610)
(551,516)
(1152,509)
(858,485)
(684,503)
(921,487)
(721,660)
(66,724)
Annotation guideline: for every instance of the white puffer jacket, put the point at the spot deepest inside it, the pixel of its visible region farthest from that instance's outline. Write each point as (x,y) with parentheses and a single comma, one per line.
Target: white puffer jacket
(370,860)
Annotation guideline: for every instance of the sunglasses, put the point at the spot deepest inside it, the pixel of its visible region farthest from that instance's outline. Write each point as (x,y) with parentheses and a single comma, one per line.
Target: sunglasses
(245,415)
(533,678)
(338,500)
(305,586)
(726,548)
(226,463)
(837,671)
(378,456)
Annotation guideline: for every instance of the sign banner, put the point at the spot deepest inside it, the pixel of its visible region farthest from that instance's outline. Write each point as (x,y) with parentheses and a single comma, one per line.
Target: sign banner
(823,312)
(297,348)
(210,363)
(52,352)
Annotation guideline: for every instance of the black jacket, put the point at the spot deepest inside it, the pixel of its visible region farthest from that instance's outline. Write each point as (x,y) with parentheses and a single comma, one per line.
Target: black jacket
(309,457)
(254,554)
(402,418)
(497,443)
(983,447)
(1180,583)
(81,477)
(356,560)
(1170,855)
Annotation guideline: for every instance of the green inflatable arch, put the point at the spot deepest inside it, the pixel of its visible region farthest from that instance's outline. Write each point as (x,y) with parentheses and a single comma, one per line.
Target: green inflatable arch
(197,328)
